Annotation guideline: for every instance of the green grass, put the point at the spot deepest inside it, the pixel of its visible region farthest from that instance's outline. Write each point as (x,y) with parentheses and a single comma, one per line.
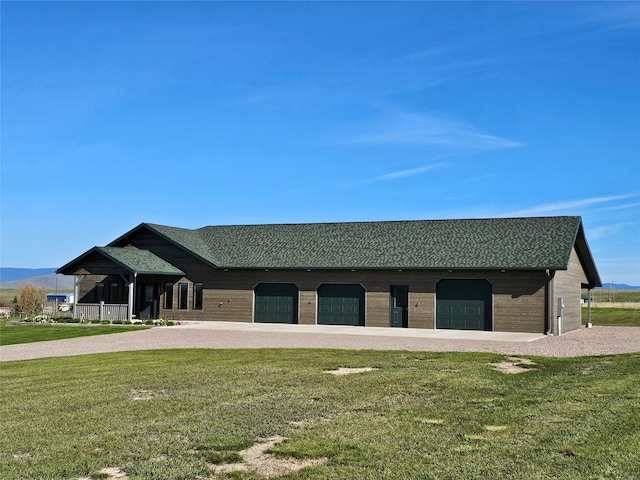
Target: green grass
(7,295)
(616,317)
(13,334)
(166,414)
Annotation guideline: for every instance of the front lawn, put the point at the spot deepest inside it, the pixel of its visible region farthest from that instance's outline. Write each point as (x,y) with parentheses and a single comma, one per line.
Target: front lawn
(12,334)
(176,414)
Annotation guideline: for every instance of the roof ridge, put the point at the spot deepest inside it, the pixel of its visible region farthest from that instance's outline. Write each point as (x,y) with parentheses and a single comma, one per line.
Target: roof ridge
(371,222)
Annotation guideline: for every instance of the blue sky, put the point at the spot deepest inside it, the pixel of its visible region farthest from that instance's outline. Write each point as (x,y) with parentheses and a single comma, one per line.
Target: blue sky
(210,113)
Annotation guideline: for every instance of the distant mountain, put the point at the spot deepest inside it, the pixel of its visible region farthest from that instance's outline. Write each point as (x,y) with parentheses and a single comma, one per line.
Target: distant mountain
(19,277)
(618,286)
(9,274)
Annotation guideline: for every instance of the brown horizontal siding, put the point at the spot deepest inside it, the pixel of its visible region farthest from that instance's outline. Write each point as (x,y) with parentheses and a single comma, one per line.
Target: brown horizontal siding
(98,264)
(519,301)
(421,309)
(518,297)
(567,284)
(377,310)
(87,292)
(307,308)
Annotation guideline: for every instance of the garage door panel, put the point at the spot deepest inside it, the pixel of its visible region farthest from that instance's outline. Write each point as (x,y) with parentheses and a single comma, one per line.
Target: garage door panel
(276,303)
(463,304)
(341,305)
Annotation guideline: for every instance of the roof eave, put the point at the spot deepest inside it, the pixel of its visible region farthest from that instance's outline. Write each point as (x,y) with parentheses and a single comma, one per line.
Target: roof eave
(76,260)
(111,258)
(586,259)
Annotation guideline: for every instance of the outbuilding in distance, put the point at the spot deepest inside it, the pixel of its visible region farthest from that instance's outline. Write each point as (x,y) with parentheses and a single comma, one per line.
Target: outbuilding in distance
(496,274)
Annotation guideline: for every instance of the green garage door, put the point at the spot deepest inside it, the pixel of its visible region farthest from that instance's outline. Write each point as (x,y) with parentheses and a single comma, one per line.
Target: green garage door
(276,303)
(463,304)
(341,305)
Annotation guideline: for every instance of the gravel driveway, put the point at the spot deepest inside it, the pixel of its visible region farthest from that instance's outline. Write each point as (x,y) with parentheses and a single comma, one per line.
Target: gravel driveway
(593,341)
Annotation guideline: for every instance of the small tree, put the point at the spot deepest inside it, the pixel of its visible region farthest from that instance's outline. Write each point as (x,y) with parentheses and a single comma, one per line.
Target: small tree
(31,299)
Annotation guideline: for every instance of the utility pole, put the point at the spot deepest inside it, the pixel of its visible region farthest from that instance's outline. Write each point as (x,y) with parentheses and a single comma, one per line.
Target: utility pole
(611,293)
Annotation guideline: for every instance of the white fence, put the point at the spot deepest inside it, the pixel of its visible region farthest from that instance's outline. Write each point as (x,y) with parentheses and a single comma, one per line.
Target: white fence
(102,311)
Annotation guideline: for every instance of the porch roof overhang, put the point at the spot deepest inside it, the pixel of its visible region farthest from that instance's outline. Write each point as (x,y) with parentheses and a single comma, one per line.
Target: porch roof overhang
(140,262)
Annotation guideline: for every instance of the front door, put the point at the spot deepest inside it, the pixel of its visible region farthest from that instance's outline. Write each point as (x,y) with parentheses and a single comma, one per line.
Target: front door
(148,301)
(399,307)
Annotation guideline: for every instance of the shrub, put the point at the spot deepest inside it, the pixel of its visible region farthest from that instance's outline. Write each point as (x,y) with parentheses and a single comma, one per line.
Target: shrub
(30,300)
(105,322)
(126,322)
(148,322)
(117,322)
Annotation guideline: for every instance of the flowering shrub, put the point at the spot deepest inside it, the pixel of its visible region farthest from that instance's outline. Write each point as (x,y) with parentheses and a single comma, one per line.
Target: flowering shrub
(158,322)
(49,319)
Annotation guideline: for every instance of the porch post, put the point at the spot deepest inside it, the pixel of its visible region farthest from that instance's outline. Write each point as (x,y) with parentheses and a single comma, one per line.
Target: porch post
(76,293)
(131,290)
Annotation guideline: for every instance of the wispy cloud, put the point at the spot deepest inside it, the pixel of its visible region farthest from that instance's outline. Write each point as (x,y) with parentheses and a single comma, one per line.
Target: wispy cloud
(402,173)
(409,172)
(570,205)
(621,207)
(380,178)
(604,231)
(430,130)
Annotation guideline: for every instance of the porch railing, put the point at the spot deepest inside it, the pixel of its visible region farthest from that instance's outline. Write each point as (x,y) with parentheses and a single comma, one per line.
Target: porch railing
(102,311)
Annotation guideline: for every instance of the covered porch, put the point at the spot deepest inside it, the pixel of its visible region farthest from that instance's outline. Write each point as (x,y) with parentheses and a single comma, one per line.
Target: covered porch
(118,283)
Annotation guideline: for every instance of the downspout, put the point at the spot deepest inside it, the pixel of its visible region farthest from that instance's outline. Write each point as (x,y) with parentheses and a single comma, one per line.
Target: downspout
(549,302)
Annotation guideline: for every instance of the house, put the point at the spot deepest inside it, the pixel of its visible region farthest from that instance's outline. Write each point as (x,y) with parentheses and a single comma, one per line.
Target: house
(500,274)
(60,297)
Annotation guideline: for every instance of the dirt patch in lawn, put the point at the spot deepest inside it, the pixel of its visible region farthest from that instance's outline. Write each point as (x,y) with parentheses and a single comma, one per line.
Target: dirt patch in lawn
(514,365)
(265,464)
(112,473)
(136,394)
(348,371)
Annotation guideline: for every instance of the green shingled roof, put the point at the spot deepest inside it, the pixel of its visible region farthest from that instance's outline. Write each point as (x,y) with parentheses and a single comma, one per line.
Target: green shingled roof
(135,261)
(139,261)
(500,243)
